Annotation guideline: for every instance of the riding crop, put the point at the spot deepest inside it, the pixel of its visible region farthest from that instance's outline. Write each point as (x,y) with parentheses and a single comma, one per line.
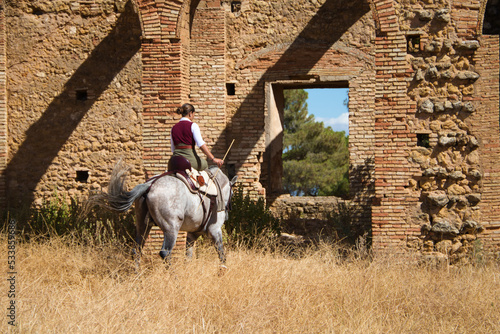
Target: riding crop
(215,175)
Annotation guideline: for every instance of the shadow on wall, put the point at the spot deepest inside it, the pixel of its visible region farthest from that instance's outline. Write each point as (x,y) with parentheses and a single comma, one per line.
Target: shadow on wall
(46,137)
(325,28)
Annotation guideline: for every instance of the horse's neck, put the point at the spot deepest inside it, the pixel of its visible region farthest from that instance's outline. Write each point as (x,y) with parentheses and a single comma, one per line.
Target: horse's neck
(223,183)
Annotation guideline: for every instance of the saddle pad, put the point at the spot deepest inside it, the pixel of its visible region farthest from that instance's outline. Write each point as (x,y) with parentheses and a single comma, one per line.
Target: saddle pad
(209,187)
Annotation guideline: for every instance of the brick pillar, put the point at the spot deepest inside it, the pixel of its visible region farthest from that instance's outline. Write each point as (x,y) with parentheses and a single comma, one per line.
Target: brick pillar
(392,136)
(361,143)
(164,88)
(486,128)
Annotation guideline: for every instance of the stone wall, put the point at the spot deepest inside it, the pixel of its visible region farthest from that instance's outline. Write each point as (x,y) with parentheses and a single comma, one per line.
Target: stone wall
(310,219)
(289,207)
(74,96)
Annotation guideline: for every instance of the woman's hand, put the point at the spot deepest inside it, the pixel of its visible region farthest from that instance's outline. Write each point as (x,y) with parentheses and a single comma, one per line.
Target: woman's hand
(219,162)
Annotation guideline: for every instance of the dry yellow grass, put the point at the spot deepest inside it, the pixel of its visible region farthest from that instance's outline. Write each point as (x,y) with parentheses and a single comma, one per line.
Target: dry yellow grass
(76,289)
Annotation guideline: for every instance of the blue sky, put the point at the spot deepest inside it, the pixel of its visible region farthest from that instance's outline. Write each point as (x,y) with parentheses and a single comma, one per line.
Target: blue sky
(327,106)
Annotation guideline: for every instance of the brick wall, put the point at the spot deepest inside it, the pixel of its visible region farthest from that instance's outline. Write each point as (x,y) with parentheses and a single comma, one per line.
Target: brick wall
(427,65)
(392,136)
(291,52)
(486,125)
(207,74)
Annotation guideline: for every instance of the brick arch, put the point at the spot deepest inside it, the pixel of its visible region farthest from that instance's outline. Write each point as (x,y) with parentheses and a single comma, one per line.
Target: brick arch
(384,15)
(373,9)
(482,16)
(468,17)
(135,6)
(164,20)
(480,19)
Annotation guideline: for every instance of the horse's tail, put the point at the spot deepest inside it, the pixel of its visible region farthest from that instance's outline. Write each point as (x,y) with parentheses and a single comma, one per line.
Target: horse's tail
(117,198)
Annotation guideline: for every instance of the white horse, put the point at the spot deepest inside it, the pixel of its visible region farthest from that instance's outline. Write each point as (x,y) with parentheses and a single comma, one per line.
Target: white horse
(169,203)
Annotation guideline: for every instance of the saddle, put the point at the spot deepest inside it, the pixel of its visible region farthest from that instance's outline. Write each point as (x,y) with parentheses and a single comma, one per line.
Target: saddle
(196,181)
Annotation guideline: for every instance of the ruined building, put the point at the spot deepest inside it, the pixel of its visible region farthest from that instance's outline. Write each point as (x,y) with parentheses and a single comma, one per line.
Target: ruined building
(84,82)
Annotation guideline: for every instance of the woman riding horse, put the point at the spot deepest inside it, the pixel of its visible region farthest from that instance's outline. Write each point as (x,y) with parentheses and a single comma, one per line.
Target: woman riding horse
(167,201)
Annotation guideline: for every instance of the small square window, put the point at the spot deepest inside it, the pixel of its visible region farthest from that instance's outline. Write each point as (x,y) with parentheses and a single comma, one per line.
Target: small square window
(82,95)
(413,43)
(231,89)
(82,176)
(423,140)
(235,6)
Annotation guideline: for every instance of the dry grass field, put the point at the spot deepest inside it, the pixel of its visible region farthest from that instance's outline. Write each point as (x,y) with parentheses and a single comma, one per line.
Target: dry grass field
(62,287)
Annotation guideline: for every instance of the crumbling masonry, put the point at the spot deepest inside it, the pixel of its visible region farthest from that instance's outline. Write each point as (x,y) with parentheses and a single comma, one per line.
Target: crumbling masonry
(84,82)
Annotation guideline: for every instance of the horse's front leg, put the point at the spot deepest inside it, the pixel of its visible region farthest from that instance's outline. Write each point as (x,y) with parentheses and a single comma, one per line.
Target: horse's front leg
(190,241)
(215,232)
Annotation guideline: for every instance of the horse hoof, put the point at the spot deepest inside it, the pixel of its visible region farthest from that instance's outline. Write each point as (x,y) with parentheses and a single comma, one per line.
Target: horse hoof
(164,254)
(222,270)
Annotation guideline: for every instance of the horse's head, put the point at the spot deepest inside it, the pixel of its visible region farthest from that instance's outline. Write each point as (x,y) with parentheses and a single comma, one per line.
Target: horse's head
(233,181)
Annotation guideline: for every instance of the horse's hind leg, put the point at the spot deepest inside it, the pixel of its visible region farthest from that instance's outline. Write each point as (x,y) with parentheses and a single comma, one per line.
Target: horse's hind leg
(143,227)
(169,239)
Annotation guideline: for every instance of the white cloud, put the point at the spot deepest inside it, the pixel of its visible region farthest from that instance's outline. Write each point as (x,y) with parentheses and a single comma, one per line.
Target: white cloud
(340,123)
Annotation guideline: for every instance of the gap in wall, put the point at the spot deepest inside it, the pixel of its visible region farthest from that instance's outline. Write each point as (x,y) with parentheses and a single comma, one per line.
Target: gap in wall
(327,110)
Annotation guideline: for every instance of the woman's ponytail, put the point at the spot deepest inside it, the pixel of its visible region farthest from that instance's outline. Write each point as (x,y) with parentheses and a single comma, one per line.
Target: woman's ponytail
(185,109)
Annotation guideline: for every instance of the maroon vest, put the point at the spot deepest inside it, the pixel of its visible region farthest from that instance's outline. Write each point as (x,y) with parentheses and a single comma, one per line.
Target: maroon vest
(181,133)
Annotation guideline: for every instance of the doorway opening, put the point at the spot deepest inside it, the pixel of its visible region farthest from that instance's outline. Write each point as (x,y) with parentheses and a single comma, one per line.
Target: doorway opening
(307,140)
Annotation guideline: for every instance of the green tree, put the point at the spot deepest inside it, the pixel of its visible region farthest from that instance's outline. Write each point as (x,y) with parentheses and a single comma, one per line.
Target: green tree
(315,158)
